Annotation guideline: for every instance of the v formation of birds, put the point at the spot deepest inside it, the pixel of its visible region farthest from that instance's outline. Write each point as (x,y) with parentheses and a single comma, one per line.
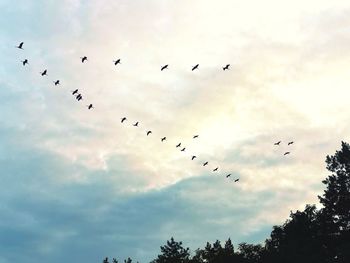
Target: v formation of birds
(78,97)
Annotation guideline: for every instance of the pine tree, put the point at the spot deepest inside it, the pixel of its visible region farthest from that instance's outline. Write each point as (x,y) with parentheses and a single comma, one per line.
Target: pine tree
(173,252)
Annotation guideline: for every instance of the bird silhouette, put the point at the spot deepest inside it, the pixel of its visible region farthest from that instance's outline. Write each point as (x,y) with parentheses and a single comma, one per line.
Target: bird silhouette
(206,163)
(164,67)
(90,106)
(290,143)
(24,62)
(236,180)
(277,143)
(227,176)
(286,153)
(43,73)
(178,145)
(83,59)
(149,132)
(226,67)
(57,82)
(195,67)
(123,119)
(195,136)
(20,46)
(116,62)
(75,92)
(183,149)
(215,169)
(193,157)
(163,139)
(136,124)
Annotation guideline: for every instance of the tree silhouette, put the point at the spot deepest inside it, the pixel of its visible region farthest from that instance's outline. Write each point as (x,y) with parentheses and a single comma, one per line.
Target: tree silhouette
(250,253)
(336,202)
(173,252)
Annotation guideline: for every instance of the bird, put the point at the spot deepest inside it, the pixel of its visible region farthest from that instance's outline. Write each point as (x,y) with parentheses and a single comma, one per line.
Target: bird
(290,143)
(20,46)
(193,157)
(90,106)
(149,132)
(163,139)
(123,119)
(286,153)
(226,67)
(75,92)
(116,62)
(277,143)
(195,136)
(57,82)
(164,67)
(136,124)
(227,176)
(215,169)
(206,163)
(178,145)
(79,97)
(183,149)
(24,62)
(43,73)
(83,59)
(195,67)
(236,180)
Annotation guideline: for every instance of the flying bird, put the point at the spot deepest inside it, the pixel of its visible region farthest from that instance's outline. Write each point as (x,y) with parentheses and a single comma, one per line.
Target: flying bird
(196,136)
(57,82)
(20,46)
(193,157)
(195,67)
(163,139)
(83,59)
(149,132)
(236,180)
(178,145)
(43,73)
(206,163)
(183,149)
(90,106)
(75,92)
(164,67)
(226,67)
(290,143)
(215,169)
(227,176)
(24,62)
(123,119)
(277,143)
(286,153)
(116,62)
(136,124)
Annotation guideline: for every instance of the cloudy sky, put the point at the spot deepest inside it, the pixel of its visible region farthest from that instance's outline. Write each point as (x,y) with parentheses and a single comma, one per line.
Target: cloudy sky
(77,185)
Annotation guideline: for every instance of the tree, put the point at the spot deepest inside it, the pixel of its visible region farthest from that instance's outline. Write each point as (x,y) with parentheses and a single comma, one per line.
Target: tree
(336,202)
(297,240)
(336,197)
(173,252)
(251,253)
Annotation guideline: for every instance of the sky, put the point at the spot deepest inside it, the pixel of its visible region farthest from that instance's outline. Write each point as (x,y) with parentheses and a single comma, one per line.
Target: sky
(77,185)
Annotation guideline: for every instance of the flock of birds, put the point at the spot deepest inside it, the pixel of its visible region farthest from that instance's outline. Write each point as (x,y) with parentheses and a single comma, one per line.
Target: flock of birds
(79,97)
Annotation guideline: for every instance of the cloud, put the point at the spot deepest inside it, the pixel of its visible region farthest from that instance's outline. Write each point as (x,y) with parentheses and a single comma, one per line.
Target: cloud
(79,185)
